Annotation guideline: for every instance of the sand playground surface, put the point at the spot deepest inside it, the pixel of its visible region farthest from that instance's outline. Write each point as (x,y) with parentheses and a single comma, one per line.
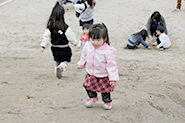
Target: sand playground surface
(152,83)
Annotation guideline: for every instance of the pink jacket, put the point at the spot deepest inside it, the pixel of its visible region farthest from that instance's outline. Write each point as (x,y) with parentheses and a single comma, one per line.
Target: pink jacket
(99,62)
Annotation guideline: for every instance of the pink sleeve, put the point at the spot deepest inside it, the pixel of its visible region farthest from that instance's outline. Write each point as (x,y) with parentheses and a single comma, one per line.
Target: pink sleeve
(82,61)
(111,65)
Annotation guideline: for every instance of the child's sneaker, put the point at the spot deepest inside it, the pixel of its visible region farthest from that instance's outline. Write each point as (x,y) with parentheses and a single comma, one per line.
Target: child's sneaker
(90,101)
(107,106)
(60,68)
(161,49)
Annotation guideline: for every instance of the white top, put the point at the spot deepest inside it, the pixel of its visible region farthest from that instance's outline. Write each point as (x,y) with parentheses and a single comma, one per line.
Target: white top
(165,41)
(87,15)
(69,34)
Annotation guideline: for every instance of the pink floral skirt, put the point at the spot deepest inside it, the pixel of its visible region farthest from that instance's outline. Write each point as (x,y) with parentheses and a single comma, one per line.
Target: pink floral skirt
(95,84)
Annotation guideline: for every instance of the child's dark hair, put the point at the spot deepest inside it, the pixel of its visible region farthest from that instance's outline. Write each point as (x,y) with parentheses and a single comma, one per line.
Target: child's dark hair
(161,29)
(142,33)
(90,2)
(56,20)
(98,31)
(85,26)
(157,16)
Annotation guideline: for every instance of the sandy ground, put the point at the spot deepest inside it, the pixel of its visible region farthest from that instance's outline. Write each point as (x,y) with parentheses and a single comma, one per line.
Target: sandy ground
(152,83)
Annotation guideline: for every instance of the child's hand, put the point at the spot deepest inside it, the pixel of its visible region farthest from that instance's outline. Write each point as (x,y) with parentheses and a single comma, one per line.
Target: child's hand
(149,47)
(113,83)
(157,47)
(42,49)
(150,37)
(79,67)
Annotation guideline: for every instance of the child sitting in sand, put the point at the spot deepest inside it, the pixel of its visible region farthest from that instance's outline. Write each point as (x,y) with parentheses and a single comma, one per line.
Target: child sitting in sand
(85,35)
(137,38)
(163,42)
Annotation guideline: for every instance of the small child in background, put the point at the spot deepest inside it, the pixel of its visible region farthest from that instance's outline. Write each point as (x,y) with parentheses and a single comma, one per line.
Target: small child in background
(85,35)
(61,2)
(59,34)
(178,7)
(163,42)
(135,39)
(98,57)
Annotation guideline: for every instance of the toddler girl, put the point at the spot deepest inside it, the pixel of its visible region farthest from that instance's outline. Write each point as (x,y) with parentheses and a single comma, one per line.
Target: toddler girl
(98,57)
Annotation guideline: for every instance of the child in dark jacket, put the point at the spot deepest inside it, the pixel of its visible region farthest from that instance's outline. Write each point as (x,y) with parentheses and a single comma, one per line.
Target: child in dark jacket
(135,39)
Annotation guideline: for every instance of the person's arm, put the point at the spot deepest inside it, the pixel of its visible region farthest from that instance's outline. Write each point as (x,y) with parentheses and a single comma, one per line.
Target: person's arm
(162,40)
(111,65)
(143,43)
(46,39)
(71,36)
(82,62)
(81,39)
(164,24)
(148,26)
(81,7)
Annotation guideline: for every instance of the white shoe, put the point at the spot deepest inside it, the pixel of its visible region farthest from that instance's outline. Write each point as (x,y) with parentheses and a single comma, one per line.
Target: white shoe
(90,101)
(107,106)
(60,68)
(161,49)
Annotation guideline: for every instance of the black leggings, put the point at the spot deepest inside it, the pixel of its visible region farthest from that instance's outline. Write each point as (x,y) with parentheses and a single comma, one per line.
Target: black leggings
(153,29)
(158,42)
(86,22)
(106,97)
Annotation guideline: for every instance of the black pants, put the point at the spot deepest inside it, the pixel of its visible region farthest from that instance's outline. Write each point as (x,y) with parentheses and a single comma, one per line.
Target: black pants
(158,42)
(153,29)
(106,97)
(86,22)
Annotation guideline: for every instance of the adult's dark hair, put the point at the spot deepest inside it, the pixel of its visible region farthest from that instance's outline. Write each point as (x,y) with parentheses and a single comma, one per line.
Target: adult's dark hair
(86,26)
(157,16)
(142,33)
(161,29)
(98,31)
(56,20)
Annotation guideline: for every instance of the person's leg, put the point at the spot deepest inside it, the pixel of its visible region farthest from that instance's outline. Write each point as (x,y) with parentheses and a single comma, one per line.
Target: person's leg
(158,41)
(178,4)
(153,28)
(92,98)
(106,97)
(131,47)
(91,94)
(60,68)
(86,22)
(57,63)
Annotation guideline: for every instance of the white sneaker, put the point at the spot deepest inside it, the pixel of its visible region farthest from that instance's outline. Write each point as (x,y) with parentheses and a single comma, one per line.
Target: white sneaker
(107,106)
(161,49)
